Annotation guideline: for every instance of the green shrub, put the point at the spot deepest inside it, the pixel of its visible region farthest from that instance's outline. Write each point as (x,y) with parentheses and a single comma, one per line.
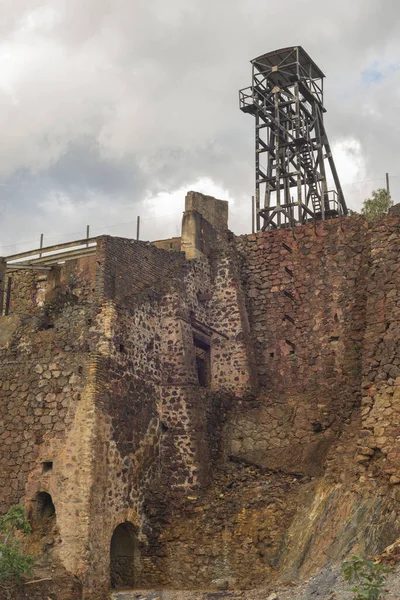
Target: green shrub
(13,563)
(378,205)
(367,578)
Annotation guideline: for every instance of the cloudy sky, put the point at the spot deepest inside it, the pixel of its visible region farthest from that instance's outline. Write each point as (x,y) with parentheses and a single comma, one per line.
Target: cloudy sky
(114,108)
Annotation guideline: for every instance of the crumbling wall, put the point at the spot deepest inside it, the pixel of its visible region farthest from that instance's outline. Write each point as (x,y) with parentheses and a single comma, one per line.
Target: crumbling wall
(306,291)
(212,402)
(44,422)
(157,427)
(25,291)
(381,354)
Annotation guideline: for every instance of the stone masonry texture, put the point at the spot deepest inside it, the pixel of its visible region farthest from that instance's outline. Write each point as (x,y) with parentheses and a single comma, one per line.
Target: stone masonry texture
(204,412)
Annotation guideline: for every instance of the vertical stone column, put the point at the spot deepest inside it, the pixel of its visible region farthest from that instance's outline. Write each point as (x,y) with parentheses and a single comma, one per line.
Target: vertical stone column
(184,453)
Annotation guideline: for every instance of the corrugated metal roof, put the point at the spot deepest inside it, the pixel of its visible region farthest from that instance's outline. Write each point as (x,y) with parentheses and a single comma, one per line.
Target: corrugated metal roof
(274,58)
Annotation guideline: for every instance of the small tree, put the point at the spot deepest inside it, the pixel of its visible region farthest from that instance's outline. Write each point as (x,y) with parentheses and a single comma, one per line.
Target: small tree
(367,577)
(13,563)
(378,205)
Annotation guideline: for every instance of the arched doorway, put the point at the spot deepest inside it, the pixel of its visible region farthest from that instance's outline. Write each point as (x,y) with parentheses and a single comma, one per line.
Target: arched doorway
(42,513)
(45,508)
(43,518)
(124,557)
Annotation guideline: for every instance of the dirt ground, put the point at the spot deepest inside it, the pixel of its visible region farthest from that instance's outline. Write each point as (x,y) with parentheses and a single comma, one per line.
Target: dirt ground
(328,584)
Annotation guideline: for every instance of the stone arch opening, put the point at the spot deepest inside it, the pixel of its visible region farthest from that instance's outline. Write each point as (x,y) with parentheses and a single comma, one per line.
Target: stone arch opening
(124,557)
(45,508)
(43,514)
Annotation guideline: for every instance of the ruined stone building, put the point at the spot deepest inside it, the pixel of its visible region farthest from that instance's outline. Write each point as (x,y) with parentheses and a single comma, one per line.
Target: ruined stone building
(202,408)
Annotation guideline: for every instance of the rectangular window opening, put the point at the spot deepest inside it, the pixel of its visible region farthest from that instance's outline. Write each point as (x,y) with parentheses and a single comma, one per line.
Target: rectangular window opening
(47,466)
(203,363)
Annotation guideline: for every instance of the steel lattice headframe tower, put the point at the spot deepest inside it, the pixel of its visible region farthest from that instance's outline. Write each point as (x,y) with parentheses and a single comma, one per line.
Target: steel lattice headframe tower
(292,148)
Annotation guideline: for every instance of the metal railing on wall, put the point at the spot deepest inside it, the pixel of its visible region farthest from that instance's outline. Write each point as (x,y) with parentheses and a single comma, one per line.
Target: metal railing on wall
(169,225)
(143,228)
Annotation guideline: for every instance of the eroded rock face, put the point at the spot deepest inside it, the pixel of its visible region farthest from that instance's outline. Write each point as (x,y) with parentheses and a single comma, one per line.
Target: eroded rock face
(234,413)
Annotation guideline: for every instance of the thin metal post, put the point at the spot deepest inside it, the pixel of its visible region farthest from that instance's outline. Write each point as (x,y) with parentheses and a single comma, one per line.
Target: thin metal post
(138,228)
(257,165)
(41,244)
(87,233)
(275,91)
(3,267)
(252,215)
(387,184)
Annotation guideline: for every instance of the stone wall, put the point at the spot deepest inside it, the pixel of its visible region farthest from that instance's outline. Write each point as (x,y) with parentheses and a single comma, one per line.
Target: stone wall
(381,353)
(44,422)
(306,291)
(157,428)
(102,351)
(212,402)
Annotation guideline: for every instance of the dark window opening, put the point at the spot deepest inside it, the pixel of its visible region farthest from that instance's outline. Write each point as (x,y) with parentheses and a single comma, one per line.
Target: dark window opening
(47,466)
(203,365)
(124,557)
(272,354)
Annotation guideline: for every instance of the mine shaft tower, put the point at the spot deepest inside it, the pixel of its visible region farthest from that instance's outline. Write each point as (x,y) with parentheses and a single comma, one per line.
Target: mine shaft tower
(292,151)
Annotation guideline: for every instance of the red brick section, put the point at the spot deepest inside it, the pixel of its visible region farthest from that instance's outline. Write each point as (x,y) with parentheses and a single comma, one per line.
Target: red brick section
(306,291)
(127,267)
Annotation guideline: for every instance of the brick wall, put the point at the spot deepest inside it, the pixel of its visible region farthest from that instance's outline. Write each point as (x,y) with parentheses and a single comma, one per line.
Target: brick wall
(127,267)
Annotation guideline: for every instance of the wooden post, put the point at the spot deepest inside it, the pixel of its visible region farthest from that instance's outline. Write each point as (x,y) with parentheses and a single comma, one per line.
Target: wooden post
(41,244)
(387,184)
(137,228)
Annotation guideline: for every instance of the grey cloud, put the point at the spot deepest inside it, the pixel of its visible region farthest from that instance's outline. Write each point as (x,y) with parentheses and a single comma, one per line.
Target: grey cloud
(104,104)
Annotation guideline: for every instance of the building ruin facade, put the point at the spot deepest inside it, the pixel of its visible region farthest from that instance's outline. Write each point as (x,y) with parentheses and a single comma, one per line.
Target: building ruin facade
(202,408)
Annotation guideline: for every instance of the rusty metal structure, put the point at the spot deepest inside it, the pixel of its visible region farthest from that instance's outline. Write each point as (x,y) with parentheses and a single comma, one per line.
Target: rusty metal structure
(293,159)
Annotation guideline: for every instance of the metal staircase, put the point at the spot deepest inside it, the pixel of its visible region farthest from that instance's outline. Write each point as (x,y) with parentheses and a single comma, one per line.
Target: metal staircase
(292,153)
